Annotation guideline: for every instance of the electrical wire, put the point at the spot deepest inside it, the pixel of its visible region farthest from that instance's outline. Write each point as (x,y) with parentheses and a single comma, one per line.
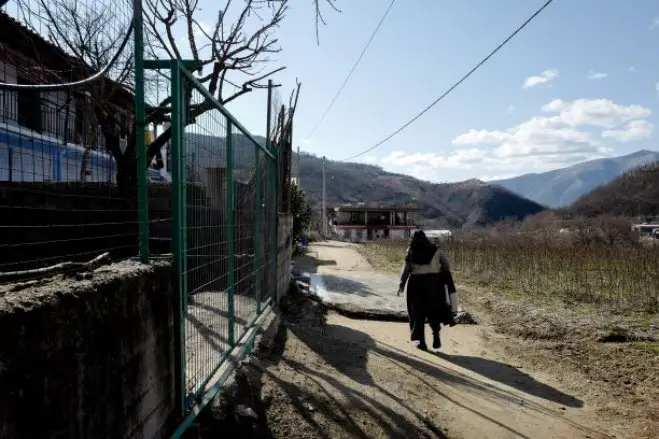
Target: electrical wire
(54,87)
(352,70)
(455,85)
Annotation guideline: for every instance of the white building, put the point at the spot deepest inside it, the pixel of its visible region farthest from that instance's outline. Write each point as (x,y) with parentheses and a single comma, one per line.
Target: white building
(360,222)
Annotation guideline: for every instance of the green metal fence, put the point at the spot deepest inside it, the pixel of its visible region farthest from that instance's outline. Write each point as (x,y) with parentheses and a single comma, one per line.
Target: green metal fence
(224,226)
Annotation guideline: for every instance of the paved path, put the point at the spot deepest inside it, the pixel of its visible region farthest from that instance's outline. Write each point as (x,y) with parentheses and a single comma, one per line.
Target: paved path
(344,281)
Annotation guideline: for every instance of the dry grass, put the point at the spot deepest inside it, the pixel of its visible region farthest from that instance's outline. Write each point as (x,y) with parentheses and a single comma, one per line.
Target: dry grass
(615,278)
(559,300)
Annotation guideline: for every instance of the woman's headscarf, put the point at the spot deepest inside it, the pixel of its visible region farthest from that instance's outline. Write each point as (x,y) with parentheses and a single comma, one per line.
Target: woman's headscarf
(421,250)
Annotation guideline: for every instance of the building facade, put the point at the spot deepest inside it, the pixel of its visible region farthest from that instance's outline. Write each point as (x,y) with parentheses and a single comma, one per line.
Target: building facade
(56,135)
(371,223)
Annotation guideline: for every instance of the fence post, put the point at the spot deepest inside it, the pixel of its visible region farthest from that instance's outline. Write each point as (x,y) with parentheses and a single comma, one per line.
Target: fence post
(274,199)
(140,143)
(231,224)
(258,211)
(271,191)
(178,249)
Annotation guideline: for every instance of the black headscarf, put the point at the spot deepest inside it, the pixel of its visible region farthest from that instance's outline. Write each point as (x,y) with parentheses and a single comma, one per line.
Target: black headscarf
(421,250)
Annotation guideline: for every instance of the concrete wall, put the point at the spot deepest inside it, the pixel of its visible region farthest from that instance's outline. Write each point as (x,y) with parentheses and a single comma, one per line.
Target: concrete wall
(46,223)
(88,357)
(285,254)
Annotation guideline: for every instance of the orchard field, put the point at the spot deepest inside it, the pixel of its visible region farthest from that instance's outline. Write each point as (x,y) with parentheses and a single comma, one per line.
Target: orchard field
(615,276)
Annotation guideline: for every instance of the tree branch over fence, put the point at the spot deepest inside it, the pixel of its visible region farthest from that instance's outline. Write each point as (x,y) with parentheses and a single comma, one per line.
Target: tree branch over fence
(236,50)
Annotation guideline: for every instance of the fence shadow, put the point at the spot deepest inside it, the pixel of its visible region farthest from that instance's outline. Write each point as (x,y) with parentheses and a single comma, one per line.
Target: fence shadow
(348,351)
(343,286)
(512,377)
(308,262)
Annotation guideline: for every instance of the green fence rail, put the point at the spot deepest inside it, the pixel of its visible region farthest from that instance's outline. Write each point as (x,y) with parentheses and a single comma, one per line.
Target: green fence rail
(224,227)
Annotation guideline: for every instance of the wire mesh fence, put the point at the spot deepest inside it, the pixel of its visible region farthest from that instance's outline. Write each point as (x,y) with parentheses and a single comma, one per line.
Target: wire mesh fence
(60,147)
(225,227)
(72,177)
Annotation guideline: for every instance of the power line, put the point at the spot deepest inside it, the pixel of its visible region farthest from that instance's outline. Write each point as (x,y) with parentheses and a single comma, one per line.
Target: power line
(352,70)
(68,85)
(454,86)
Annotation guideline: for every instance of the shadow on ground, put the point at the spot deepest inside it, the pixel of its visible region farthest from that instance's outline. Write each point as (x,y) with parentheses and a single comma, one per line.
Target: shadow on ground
(352,409)
(344,286)
(348,351)
(308,262)
(322,384)
(512,377)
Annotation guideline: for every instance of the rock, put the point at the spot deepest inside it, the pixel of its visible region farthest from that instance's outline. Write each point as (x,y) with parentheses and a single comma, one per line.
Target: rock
(246,412)
(465,318)
(266,398)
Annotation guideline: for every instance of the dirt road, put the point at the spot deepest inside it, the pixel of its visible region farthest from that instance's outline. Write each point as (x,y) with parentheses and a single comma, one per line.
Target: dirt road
(343,378)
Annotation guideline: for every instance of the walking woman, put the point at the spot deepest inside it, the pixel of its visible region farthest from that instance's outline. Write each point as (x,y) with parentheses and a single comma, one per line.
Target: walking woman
(430,288)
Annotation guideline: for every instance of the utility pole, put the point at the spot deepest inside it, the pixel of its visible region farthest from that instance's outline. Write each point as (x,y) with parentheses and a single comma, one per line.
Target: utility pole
(324,207)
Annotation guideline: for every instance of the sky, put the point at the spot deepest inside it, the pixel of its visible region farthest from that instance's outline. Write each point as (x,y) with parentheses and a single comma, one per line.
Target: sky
(580,82)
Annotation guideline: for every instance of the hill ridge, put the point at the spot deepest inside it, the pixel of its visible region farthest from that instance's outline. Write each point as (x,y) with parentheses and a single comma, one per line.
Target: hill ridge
(561,187)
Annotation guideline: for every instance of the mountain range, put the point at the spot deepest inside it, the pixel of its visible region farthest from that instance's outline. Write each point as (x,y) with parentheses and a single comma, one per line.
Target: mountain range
(562,187)
(634,194)
(588,188)
(468,203)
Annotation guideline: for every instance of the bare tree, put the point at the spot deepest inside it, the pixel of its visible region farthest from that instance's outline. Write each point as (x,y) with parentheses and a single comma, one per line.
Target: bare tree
(232,56)
(90,37)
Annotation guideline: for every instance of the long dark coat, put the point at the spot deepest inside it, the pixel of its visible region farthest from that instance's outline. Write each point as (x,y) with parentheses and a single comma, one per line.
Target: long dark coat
(426,298)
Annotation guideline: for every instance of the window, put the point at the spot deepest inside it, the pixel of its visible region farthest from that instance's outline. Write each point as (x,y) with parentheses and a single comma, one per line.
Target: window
(79,123)
(29,107)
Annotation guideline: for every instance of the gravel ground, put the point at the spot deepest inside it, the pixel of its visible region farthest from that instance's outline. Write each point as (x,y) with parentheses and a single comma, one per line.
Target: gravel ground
(337,377)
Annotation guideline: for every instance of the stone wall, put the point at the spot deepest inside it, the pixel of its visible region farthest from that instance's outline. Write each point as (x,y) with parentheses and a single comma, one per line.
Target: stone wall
(89,357)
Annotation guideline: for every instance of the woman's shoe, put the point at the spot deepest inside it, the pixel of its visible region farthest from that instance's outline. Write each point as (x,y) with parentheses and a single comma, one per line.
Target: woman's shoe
(436,341)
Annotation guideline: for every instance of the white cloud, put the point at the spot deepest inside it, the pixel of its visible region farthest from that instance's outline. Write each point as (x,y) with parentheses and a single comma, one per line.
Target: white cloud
(461,158)
(656,87)
(632,69)
(568,132)
(602,113)
(634,130)
(488,177)
(510,109)
(473,137)
(655,23)
(430,166)
(542,78)
(564,132)
(597,75)
(553,106)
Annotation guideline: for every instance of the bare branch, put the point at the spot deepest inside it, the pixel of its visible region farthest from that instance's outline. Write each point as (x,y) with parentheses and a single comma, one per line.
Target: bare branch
(319,15)
(235,51)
